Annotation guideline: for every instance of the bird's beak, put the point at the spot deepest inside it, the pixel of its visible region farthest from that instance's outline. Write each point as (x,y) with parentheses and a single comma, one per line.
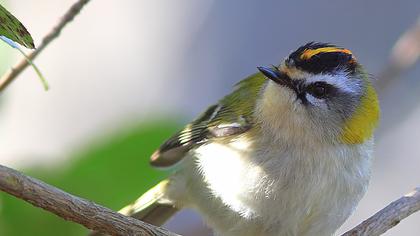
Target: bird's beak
(277,76)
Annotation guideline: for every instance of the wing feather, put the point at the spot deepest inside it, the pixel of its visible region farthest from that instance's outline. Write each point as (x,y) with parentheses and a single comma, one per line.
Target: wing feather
(233,115)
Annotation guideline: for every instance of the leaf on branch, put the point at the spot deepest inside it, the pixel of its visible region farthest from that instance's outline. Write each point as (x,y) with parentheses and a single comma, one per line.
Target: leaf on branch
(12,32)
(13,29)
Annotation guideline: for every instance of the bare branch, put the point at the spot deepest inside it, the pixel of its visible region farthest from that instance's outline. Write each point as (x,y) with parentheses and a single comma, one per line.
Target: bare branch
(106,221)
(76,209)
(388,217)
(10,75)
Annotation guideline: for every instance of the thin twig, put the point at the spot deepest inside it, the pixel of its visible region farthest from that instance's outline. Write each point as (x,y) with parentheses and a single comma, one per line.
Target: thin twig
(388,217)
(404,54)
(76,209)
(10,75)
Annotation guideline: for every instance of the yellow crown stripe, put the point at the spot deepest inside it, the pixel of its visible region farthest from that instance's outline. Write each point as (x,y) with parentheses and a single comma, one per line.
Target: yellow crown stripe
(308,53)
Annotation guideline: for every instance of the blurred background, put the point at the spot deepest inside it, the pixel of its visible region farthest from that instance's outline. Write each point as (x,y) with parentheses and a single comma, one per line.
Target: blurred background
(126,74)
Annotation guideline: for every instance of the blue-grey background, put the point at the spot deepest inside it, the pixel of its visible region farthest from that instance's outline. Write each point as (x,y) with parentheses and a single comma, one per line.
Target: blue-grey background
(121,64)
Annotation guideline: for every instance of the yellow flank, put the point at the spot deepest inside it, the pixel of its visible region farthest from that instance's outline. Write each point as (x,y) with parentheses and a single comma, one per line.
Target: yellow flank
(308,53)
(361,125)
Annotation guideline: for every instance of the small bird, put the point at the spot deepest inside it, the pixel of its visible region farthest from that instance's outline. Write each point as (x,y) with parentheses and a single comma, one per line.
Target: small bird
(287,153)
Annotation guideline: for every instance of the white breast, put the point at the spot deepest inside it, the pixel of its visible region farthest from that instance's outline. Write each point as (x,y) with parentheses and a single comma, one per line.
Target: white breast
(281,191)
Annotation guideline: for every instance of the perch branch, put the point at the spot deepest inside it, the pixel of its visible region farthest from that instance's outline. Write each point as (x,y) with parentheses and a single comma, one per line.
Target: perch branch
(76,209)
(106,221)
(72,12)
(388,217)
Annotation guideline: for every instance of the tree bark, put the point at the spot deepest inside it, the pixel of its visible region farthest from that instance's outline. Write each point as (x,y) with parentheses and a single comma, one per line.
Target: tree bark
(76,209)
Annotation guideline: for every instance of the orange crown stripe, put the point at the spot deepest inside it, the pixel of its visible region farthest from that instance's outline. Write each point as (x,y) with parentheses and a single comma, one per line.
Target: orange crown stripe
(308,53)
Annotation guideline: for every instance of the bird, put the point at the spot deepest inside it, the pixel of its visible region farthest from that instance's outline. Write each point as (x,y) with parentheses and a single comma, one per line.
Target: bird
(288,152)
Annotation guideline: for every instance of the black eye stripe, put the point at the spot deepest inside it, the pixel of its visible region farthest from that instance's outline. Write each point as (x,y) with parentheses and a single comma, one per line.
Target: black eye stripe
(321,89)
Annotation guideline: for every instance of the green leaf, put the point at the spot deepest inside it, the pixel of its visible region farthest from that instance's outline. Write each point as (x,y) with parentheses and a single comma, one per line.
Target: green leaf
(11,28)
(12,31)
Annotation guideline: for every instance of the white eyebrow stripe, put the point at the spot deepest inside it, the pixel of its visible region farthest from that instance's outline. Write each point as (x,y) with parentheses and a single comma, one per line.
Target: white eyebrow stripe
(339,80)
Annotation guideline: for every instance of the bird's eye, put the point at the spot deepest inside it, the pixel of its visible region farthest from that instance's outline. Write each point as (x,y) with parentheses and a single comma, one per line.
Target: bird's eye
(318,89)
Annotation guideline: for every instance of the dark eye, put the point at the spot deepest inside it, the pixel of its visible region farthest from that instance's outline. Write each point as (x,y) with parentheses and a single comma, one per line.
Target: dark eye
(318,89)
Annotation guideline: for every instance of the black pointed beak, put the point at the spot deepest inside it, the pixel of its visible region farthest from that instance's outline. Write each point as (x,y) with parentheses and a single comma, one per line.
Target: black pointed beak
(283,79)
(278,76)
(272,73)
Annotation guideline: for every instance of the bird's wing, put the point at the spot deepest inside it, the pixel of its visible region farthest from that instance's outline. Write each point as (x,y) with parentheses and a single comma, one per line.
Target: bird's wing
(233,115)
(206,127)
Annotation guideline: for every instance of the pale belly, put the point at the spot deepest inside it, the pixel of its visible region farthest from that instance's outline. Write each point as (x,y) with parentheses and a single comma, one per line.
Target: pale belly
(272,193)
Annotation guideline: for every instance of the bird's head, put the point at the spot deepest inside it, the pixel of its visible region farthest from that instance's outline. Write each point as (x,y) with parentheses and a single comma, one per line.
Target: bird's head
(321,90)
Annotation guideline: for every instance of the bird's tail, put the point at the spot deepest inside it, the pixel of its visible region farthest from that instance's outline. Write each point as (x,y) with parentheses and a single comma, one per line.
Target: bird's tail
(151,207)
